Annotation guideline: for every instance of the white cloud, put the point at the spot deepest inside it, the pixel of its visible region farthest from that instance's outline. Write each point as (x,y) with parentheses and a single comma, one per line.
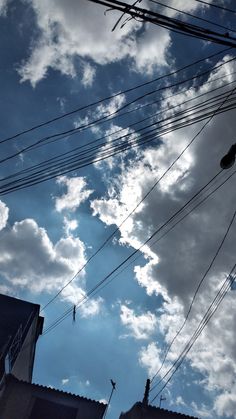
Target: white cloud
(225,404)
(82,30)
(179,401)
(92,307)
(150,358)
(75,195)
(175,265)
(65,381)
(29,258)
(69,225)
(141,326)
(4,212)
(89,73)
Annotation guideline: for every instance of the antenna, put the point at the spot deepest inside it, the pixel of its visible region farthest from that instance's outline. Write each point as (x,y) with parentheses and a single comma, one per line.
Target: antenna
(161,400)
(109,401)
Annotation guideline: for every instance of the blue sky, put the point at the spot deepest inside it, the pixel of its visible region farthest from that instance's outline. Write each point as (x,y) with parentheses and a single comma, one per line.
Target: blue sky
(57,56)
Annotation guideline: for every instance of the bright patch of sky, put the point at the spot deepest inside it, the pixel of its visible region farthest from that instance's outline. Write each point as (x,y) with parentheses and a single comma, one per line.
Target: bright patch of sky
(59,56)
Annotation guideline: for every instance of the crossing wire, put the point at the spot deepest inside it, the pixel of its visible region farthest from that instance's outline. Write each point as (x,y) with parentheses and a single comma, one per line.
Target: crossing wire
(193,298)
(226,286)
(226,9)
(93,290)
(64,134)
(211,22)
(169,23)
(141,201)
(98,102)
(116,230)
(79,161)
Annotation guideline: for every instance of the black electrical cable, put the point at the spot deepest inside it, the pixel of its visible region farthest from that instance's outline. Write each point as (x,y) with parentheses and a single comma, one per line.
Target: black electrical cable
(104,281)
(194,297)
(154,234)
(226,9)
(64,134)
(211,22)
(100,248)
(126,218)
(84,162)
(76,164)
(169,23)
(140,108)
(226,286)
(79,109)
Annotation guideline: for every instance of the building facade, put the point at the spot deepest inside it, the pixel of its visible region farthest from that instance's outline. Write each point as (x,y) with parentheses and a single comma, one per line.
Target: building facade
(20,327)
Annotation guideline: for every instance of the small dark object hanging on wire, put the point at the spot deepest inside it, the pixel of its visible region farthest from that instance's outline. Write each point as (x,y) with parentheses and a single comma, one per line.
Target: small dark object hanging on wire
(74,313)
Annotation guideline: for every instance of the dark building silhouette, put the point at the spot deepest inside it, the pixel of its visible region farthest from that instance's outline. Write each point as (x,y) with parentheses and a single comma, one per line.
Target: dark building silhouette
(143,411)
(20,327)
(22,400)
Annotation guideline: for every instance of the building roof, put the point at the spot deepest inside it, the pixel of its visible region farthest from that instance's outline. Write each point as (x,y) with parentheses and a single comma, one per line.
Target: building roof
(45,389)
(156,412)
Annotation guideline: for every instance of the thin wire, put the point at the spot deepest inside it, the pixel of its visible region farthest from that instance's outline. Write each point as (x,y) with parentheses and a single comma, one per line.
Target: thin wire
(169,23)
(142,200)
(138,108)
(67,132)
(79,109)
(163,235)
(226,9)
(193,16)
(147,240)
(194,297)
(73,163)
(203,323)
(55,158)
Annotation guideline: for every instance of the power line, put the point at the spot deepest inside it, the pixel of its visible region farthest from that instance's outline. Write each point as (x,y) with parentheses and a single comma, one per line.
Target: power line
(227,284)
(84,107)
(166,223)
(110,117)
(194,297)
(79,161)
(191,15)
(65,134)
(129,214)
(164,234)
(226,9)
(151,116)
(167,22)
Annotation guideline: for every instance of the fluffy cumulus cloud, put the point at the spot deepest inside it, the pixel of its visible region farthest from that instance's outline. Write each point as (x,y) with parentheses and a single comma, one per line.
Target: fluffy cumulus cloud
(175,263)
(76,193)
(80,31)
(140,326)
(29,258)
